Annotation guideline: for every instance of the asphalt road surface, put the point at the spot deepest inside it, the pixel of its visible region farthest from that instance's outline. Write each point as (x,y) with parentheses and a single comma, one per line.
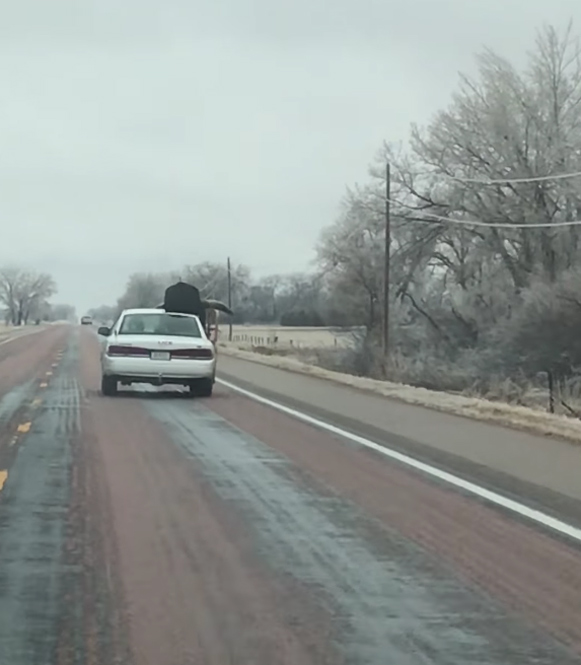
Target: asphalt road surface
(156,529)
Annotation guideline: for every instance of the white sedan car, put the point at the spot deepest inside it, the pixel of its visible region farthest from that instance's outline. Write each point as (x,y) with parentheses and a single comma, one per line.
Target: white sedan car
(157,347)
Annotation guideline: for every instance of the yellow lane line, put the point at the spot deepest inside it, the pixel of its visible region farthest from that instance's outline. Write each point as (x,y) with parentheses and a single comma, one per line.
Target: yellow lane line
(24,427)
(3,476)
(44,384)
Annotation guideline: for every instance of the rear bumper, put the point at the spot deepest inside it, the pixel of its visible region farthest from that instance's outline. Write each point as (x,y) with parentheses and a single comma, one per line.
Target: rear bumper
(160,380)
(152,371)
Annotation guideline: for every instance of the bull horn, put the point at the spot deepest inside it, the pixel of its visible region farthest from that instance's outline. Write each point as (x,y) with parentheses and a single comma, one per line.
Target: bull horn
(217,305)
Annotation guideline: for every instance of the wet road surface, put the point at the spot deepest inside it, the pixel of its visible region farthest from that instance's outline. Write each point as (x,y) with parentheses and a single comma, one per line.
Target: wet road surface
(156,529)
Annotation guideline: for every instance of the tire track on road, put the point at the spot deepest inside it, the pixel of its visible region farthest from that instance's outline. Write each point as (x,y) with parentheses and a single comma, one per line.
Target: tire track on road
(56,606)
(384,599)
(535,576)
(276,543)
(91,626)
(20,403)
(32,523)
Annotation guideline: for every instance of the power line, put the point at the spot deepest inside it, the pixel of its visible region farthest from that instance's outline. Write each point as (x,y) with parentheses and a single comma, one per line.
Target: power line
(212,282)
(509,181)
(498,181)
(491,225)
(470,222)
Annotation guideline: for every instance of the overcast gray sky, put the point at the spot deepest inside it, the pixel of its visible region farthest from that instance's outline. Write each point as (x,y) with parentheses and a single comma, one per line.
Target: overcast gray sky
(144,134)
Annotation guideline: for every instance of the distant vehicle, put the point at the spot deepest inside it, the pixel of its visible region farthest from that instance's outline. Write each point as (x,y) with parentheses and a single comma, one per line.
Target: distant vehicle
(157,347)
(87,320)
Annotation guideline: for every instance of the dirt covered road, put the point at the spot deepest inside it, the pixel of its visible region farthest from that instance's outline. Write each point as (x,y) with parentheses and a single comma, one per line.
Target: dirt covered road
(153,529)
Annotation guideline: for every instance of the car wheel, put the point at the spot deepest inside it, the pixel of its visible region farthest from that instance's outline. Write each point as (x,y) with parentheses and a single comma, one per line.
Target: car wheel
(202,388)
(109,386)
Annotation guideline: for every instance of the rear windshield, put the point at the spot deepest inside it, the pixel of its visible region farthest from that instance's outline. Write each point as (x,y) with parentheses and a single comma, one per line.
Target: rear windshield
(160,324)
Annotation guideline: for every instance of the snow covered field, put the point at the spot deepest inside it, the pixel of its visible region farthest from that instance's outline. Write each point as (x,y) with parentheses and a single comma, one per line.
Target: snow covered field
(288,337)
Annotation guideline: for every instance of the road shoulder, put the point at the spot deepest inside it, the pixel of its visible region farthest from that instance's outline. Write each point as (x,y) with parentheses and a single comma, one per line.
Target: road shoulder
(540,468)
(520,418)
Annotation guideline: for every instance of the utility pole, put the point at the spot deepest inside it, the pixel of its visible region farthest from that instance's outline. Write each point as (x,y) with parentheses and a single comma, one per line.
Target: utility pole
(229,299)
(386,266)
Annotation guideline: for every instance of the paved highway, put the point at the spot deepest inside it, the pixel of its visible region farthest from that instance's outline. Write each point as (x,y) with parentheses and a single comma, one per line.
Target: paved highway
(153,529)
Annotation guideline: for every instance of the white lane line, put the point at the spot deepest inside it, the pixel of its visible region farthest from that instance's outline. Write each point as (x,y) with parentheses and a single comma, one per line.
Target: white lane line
(481,492)
(19,335)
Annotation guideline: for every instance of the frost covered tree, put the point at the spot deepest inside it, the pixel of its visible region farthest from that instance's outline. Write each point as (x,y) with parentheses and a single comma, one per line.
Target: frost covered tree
(143,290)
(502,126)
(23,292)
(350,254)
(494,156)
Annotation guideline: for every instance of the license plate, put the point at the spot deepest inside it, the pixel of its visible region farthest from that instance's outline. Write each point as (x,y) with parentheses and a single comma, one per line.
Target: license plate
(160,355)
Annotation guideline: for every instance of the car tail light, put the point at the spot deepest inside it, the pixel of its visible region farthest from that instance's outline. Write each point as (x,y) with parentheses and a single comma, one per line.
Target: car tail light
(127,351)
(193,354)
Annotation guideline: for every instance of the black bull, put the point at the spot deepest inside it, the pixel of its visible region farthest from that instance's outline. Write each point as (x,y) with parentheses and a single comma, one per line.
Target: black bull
(183,298)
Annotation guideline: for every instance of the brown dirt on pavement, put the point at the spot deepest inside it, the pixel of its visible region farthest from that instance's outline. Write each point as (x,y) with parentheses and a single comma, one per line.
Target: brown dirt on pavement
(26,356)
(533,574)
(193,590)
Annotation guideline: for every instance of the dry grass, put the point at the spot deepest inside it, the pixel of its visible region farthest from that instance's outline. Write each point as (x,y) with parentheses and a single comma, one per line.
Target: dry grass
(516,416)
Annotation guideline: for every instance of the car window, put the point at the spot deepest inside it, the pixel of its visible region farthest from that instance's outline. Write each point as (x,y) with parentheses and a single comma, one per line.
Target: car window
(160,324)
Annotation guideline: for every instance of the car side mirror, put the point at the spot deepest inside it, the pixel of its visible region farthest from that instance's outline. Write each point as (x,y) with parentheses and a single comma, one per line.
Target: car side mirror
(104,331)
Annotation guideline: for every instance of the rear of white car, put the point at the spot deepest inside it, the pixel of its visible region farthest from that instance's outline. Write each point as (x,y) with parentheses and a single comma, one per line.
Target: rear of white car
(157,347)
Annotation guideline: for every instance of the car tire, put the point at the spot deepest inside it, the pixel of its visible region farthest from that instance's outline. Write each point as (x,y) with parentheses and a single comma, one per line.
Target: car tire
(109,386)
(201,388)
